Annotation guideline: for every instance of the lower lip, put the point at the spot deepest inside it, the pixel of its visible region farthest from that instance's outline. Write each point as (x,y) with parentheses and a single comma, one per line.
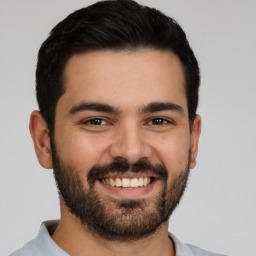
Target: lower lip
(121,192)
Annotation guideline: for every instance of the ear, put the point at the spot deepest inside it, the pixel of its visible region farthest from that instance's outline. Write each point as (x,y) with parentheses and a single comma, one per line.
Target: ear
(40,135)
(195,134)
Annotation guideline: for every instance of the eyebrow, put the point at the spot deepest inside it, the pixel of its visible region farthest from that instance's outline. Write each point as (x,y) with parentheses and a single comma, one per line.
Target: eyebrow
(162,106)
(100,107)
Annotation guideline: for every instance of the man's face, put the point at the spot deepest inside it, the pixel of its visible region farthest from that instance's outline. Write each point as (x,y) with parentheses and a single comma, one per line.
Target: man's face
(122,143)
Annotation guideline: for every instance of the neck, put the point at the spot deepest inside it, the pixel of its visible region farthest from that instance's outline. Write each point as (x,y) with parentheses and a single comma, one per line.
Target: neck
(76,239)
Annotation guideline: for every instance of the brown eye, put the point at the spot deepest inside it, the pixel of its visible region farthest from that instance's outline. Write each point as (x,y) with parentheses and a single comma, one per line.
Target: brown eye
(95,121)
(159,121)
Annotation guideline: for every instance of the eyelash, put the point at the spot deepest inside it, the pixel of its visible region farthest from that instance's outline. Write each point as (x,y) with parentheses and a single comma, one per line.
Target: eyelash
(163,121)
(97,121)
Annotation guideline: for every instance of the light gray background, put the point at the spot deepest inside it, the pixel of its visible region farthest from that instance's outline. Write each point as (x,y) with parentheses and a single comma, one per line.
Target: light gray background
(218,210)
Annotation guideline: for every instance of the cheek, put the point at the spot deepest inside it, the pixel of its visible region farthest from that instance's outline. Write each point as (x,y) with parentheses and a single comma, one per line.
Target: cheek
(173,152)
(82,150)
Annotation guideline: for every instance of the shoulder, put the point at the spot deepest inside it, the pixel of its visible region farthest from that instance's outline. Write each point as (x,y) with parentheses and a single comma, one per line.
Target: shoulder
(190,250)
(42,244)
(29,249)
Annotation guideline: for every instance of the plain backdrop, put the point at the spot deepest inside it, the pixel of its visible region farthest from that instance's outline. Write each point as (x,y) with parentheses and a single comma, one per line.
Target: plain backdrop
(219,206)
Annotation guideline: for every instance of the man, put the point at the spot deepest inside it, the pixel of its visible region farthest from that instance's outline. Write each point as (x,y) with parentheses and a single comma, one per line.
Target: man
(117,87)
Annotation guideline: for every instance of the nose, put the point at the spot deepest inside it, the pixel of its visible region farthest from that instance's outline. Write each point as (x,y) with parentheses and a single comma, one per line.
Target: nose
(129,144)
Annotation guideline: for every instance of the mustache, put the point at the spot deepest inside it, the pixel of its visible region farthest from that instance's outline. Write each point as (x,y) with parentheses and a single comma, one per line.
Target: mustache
(122,166)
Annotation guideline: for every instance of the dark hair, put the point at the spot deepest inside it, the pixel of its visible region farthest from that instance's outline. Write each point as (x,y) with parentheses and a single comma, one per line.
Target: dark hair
(115,25)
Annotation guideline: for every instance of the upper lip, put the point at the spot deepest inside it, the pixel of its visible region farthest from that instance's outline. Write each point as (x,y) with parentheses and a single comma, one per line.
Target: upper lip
(128,175)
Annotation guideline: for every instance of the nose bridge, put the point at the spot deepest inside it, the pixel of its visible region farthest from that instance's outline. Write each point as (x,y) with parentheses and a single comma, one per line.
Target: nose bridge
(129,142)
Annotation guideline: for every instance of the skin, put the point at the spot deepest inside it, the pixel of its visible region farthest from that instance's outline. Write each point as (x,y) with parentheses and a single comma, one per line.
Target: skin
(128,81)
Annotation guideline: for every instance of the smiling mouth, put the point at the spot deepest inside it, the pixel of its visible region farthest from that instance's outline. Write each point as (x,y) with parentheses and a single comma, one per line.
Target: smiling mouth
(128,183)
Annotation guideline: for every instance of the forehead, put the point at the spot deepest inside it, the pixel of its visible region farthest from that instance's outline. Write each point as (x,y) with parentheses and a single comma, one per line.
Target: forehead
(125,77)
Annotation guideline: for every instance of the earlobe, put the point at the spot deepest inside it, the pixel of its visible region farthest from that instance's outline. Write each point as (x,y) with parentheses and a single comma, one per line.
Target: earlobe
(40,136)
(195,134)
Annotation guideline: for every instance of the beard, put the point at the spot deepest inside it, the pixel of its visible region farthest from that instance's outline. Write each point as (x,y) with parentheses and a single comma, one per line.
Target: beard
(118,219)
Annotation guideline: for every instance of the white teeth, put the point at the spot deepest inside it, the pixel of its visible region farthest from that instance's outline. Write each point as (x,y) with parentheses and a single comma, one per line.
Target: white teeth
(134,183)
(127,183)
(141,183)
(118,182)
(112,182)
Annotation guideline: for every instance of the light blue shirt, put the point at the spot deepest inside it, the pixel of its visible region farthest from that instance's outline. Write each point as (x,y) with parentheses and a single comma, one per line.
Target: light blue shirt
(43,245)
